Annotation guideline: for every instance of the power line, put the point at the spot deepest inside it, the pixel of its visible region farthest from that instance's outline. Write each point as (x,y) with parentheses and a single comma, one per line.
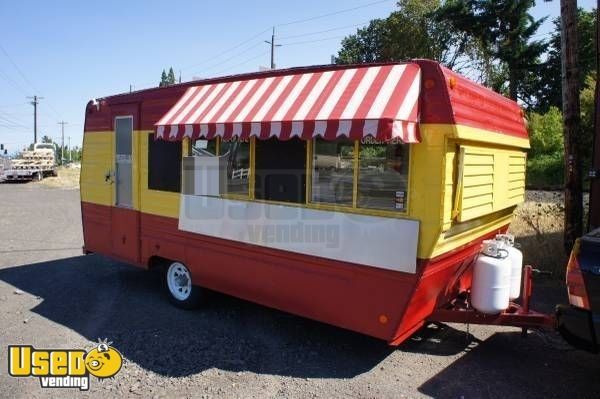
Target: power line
(313,41)
(25,79)
(299,21)
(242,63)
(323,31)
(8,117)
(17,68)
(232,57)
(228,50)
(253,37)
(12,82)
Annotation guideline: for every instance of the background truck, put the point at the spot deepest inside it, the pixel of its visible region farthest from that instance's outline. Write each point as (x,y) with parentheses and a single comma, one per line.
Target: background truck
(32,165)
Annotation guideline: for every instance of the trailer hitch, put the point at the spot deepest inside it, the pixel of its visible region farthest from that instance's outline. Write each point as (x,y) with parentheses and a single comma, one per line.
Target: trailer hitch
(461,311)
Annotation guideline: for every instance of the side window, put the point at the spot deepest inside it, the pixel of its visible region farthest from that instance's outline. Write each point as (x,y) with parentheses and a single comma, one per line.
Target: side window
(280,168)
(333,172)
(238,165)
(383,176)
(164,165)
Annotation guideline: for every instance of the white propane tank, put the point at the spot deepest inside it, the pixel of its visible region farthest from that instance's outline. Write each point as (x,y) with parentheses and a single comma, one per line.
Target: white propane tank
(516,262)
(490,289)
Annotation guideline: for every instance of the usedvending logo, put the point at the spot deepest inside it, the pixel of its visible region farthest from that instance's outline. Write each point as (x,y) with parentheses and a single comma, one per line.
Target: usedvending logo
(64,368)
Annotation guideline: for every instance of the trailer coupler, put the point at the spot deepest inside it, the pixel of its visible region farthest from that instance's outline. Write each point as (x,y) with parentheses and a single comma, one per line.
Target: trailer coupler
(461,311)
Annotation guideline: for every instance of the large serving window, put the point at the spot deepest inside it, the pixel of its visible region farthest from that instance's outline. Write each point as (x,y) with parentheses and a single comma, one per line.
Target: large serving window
(341,173)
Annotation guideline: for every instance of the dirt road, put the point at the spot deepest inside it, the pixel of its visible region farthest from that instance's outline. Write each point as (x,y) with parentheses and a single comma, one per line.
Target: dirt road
(53,297)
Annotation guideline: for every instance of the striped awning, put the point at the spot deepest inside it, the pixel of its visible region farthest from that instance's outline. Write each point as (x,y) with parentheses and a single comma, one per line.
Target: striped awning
(377,101)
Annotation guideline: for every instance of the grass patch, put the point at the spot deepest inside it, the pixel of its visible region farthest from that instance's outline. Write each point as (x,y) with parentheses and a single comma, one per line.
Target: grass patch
(68,177)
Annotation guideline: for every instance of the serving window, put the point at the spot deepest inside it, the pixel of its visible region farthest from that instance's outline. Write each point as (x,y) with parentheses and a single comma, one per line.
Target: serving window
(383,176)
(236,156)
(333,172)
(356,175)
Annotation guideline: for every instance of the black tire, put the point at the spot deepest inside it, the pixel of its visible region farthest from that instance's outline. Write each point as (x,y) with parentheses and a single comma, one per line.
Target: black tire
(39,176)
(178,288)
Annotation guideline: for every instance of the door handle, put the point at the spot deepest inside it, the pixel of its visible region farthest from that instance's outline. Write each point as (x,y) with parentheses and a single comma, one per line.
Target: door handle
(108,177)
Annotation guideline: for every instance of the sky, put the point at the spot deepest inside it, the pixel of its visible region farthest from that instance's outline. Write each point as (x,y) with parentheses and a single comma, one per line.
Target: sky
(69,52)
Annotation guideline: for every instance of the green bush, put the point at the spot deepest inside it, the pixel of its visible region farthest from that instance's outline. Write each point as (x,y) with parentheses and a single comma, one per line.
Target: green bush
(545,171)
(545,163)
(546,133)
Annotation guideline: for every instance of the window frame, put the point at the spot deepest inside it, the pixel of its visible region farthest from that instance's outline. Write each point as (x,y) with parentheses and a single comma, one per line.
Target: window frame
(352,209)
(403,213)
(251,177)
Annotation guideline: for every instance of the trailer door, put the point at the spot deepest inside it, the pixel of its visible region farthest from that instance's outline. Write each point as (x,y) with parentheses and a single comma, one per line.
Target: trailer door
(124,216)
(123,169)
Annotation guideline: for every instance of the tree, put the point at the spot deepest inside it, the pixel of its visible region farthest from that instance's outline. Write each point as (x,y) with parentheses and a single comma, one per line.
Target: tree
(163,79)
(506,30)
(167,79)
(545,133)
(549,86)
(409,32)
(587,104)
(171,77)
(545,160)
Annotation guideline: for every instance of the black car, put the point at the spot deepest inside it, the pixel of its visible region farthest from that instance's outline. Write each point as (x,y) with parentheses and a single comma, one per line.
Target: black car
(579,322)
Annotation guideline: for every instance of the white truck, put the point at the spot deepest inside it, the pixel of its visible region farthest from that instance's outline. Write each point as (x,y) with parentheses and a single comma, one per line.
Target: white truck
(32,165)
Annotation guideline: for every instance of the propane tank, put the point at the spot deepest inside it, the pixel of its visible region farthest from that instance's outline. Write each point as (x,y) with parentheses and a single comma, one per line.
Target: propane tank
(516,264)
(490,290)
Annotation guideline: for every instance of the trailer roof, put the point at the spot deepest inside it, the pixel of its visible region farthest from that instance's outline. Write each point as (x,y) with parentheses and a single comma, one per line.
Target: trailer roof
(445,98)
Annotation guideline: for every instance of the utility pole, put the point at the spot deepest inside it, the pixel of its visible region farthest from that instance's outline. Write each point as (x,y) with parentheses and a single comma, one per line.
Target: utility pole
(594,214)
(62,142)
(273,45)
(35,102)
(570,99)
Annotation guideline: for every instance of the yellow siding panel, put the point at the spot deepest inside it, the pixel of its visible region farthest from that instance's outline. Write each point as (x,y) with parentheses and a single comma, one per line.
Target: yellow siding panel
(161,203)
(472,181)
(479,190)
(97,161)
(492,179)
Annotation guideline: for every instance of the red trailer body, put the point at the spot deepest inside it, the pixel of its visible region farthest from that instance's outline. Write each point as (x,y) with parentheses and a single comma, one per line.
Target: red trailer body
(453,204)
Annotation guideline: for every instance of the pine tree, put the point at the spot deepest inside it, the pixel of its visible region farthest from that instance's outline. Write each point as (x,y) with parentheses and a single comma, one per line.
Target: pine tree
(163,79)
(506,29)
(171,77)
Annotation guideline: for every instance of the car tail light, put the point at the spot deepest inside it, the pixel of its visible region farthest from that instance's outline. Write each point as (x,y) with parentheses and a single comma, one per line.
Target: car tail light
(575,283)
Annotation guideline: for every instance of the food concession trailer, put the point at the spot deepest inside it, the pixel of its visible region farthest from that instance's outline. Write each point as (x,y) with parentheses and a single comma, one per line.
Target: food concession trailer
(356,195)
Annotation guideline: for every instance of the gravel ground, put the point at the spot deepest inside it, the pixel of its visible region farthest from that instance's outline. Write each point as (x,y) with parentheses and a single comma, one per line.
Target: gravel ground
(53,297)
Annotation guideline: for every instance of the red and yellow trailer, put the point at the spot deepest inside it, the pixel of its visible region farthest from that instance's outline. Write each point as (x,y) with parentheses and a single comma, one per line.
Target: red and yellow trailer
(356,195)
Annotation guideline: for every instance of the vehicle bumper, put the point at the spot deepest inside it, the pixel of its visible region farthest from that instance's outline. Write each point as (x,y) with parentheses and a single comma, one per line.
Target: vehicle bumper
(578,327)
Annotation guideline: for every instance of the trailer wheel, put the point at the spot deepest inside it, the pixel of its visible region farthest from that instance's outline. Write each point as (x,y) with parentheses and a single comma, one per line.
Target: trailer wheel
(39,176)
(179,288)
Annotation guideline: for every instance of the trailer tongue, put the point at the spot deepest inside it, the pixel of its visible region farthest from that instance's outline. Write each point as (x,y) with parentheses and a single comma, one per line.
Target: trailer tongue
(460,310)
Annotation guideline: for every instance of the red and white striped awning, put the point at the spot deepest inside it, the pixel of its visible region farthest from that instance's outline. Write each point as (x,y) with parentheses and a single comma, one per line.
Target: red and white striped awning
(377,101)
